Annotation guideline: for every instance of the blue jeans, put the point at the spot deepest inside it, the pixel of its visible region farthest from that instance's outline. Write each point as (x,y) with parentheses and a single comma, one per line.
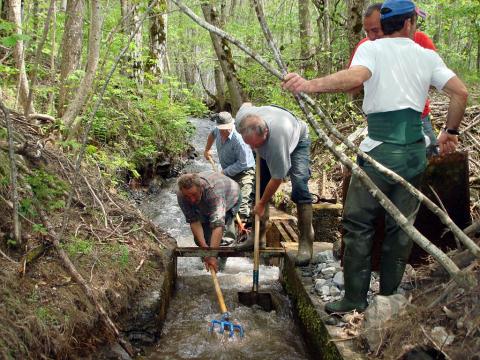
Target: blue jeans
(299,173)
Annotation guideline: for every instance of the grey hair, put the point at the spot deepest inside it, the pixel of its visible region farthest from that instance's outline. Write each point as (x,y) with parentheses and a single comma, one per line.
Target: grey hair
(251,125)
(371,9)
(187,181)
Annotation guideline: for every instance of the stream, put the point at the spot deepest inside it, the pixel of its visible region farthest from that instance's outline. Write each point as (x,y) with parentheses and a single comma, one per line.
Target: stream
(194,304)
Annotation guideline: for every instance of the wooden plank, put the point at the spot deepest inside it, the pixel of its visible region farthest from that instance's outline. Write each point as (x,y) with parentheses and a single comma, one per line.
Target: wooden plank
(194,251)
(290,231)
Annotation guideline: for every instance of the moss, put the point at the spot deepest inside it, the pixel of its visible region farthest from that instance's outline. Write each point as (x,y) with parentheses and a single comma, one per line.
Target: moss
(315,333)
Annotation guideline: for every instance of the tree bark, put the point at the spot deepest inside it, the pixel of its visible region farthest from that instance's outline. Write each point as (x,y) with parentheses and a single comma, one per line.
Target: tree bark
(75,107)
(324,57)
(158,39)
(15,16)
(355,22)
(305,26)
(220,88)
(225,59)
(71,46)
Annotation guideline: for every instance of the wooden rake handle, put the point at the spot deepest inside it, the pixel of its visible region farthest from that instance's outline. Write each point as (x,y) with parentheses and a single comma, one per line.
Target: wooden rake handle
(218,290)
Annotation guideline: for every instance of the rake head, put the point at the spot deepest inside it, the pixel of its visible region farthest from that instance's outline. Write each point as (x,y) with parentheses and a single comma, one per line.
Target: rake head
(225,324)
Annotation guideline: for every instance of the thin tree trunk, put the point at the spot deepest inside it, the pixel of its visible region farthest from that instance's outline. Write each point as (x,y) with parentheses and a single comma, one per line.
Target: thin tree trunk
(71,47)
(13,176)
(306,63)
(19,55)
(136,55)
(355,22)
(324,57)
(38,54)
(158,39)
(220,87)
(225,58)
(75,107)
(51,96)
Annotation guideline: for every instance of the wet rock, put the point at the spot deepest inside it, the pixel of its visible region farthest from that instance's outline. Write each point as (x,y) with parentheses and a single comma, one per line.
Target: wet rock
(323,257)
(381,309)
(319,283)
(338,280)
(328,271)
(325,290)
(334,291)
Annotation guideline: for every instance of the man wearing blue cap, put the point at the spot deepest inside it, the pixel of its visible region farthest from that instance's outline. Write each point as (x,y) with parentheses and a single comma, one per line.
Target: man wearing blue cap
(396,74)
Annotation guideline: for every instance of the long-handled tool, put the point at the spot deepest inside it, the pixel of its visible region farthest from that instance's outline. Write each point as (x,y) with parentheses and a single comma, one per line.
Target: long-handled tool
(241,226)
(264,300)
(224,323)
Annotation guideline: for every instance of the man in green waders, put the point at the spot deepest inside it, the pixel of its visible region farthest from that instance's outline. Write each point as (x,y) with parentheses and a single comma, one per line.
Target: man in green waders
(396,74)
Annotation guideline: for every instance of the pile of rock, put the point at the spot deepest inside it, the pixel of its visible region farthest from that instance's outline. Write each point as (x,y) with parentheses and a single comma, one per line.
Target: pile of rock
(327,277)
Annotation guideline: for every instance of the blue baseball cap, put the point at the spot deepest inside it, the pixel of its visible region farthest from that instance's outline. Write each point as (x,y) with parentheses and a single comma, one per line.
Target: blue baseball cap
(399,7)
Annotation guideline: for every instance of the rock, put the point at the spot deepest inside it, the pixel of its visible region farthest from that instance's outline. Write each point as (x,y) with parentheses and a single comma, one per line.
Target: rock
(381,309)
(328,271)
(338,280)
(325,290)
(319,283)
(441,337)
(322,257)
(334,291)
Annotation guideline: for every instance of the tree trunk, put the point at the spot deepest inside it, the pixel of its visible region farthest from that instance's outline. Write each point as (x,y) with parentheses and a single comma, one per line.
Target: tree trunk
(355,22)
(75,107)
(158,39)
(136,55)
(51,96)
(305,26)
(324,57)
(225,58)
(132,65)
(15,16)
(220,88)
(71,51)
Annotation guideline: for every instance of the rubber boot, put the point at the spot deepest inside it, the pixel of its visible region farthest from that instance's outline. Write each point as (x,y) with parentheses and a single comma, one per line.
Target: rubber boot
(357,273)
(391,275)
(305,247)
(248,244)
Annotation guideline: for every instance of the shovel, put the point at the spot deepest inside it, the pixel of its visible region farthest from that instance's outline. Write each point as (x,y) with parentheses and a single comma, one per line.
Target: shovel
(264,300)
(224,323)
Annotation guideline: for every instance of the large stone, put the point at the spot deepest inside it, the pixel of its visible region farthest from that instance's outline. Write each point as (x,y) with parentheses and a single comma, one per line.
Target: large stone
(323,257)
(382,309)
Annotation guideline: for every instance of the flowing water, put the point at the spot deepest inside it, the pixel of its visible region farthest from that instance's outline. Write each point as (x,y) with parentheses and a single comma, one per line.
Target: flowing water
(185,333)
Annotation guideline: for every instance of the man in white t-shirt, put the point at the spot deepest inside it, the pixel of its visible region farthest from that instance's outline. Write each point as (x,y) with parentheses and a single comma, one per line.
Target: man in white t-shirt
(396,74)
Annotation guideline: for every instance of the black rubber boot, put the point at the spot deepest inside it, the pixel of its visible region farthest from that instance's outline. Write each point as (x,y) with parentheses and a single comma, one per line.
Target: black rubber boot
(391,274)
(305,246)
(357,273)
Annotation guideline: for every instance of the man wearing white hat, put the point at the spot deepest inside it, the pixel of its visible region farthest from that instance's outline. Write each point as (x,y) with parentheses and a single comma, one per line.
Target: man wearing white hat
(236,158)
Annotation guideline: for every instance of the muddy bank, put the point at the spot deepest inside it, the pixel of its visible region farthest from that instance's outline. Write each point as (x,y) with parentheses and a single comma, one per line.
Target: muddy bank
(107,246)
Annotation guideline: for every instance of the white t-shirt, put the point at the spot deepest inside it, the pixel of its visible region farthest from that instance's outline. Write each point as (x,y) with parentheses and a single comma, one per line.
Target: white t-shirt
(402,72)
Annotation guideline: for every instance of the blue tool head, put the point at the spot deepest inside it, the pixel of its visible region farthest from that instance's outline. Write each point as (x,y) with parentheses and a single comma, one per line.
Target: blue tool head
(226,325)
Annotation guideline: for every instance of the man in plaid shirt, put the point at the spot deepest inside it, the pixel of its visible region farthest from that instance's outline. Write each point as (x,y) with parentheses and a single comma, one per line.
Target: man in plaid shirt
(209,201)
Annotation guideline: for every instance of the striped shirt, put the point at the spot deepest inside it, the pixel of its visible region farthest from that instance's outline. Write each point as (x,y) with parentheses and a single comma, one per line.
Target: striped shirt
(219,194)
(235,156)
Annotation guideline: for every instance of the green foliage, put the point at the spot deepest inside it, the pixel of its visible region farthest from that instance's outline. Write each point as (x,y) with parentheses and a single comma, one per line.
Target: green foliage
(119,253)
(77,246)
(47,189)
